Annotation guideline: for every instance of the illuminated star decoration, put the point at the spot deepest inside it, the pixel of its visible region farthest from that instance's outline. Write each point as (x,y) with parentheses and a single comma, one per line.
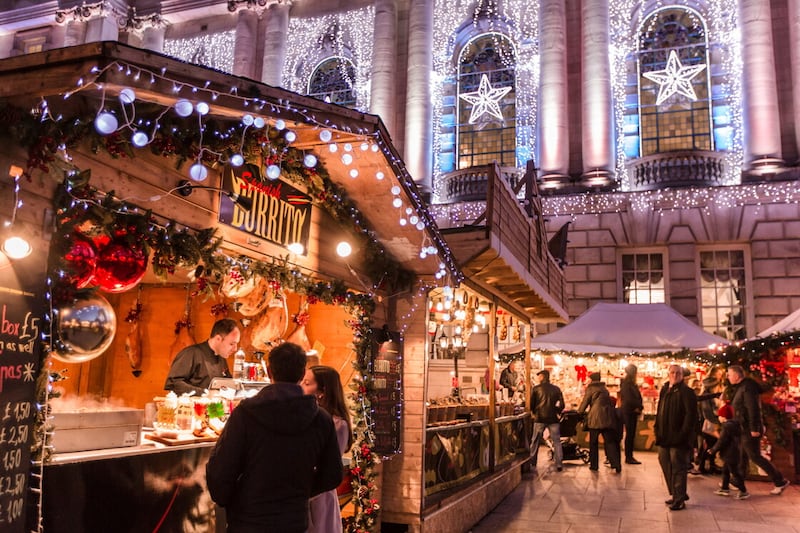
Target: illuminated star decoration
(485,100)
(675,78)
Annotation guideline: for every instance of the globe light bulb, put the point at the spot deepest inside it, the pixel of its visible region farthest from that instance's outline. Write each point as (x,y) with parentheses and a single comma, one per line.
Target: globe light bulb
(347,159)
(310,160)
(379,175)
(198,172)
(247,120)
(183,108)
(105,123)
(296,248)
(290,136)
(17,248)
(127,96)
(397,202)
(259,122)
(348,147)
(237,160)
(273,172)
(353,172)
(343,249)
(280,124)
(139,139)
(325,136)
(364,146)
(333,148)
(202,108)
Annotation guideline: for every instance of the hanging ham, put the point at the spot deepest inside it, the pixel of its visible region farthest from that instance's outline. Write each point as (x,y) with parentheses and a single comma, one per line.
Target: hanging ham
(271,324)
(184,329)
(298,336)
(133,341)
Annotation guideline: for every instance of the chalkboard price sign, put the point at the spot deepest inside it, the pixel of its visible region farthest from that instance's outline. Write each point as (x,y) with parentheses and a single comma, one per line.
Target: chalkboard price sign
(388,400)
(21,309)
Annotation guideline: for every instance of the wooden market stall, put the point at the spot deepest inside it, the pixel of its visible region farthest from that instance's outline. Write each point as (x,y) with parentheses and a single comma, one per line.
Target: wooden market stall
(130,171)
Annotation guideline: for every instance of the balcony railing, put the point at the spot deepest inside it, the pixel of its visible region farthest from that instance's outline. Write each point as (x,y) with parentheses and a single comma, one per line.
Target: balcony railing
(469,185)
(677,169)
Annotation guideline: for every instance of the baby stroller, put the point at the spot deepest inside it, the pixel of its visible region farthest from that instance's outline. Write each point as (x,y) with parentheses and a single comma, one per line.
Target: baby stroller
(568,425)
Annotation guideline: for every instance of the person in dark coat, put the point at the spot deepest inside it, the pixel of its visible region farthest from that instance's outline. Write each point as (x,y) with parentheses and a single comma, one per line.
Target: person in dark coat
(630,405)
(746,405)
(277,450)
(509,378)
(195,366)
(676,418)
(547,403)
(727,445)
(709,425)
(601,420)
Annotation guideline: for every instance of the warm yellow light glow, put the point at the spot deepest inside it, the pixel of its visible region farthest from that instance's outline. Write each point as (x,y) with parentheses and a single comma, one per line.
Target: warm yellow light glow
(296,248)
(17,247)
(343,249)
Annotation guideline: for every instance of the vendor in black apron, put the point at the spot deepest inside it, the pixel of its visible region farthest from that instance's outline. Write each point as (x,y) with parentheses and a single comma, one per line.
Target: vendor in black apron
(195,366)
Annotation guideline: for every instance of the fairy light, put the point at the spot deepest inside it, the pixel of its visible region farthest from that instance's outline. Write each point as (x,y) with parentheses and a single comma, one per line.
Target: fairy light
(214,50)
(348,34)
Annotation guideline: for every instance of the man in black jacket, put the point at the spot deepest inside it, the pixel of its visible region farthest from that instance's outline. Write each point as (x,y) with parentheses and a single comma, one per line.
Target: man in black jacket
(547,403)
(746,405)
(277,450)
(676,418)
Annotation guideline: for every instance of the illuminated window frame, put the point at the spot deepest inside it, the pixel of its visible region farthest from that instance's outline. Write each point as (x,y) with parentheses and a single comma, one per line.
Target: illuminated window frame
(648,290)
(717,291)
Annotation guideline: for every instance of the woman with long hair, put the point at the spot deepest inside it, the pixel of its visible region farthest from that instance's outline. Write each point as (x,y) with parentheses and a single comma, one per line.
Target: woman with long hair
(323,382)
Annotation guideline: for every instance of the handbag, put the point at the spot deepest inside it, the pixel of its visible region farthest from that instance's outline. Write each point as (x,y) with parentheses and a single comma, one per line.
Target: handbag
(710,428)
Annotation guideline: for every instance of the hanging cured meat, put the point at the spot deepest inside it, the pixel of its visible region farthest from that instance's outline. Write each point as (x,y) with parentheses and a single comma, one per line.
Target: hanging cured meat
(253,302)
(271,324)
(133,341)
(184,329)
(298,336)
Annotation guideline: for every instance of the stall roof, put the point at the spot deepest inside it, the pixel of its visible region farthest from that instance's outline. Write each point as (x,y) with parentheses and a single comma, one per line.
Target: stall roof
(627,328)
(789,323)
(99,72)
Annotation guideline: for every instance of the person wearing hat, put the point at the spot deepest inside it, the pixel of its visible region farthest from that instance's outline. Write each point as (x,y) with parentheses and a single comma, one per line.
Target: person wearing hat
(547,403)
(601,420)
(630,403)
(728,447)
(675,428)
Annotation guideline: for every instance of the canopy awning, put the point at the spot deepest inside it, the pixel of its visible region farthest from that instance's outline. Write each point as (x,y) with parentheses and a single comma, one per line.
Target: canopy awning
(626,328)
(789,323)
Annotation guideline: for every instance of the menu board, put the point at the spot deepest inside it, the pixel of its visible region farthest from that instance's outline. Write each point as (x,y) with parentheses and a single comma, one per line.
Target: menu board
(387,404)
(21,310)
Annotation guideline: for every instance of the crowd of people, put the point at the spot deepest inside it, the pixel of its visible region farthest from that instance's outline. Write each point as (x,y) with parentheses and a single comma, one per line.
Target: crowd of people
(695,430)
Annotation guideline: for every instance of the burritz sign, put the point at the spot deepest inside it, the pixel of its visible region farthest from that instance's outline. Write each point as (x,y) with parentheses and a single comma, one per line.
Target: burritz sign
(281,214)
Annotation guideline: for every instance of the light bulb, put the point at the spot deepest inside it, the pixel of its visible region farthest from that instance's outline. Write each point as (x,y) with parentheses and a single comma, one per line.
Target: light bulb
(296,248)
(127,96)
(273,172)
(198,172)
(395,190)
(259,123)
(247,120)
(397,202)
(17,248)
(347,159)
(325,136)
(105,123)
(403,222)
(333,147)
(310,160)
(348,147)
(290,136)
(140,139)
(364,146)
(183,108)
(343,249)
(237,160)
(379,175)
(280,124)
(353,172)
(420,225)
(202,108)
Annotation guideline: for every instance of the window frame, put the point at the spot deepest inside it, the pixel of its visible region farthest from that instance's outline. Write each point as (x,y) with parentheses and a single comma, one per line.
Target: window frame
(649,250)
(748,311)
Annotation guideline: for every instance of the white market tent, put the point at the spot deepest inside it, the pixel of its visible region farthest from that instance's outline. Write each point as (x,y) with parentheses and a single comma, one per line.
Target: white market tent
(790,323)
(626,328)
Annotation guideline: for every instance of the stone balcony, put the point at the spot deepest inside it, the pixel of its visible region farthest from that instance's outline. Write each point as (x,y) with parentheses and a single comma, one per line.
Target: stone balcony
(470,184)
(677,169)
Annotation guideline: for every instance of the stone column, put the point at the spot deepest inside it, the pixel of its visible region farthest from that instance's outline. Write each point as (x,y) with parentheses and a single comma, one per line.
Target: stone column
(761,115)
(794,50)
(277,26)
(153,38)
(103,28)
(384,63)
(75,33)
(418,135)
(554,129)
(244,51)
(596,94)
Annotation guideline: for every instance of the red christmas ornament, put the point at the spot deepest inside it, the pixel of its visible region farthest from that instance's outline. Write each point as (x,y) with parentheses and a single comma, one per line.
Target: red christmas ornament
(119,267)
(80,262)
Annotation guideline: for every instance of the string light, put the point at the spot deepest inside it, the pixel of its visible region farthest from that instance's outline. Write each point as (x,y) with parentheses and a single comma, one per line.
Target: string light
(213,50)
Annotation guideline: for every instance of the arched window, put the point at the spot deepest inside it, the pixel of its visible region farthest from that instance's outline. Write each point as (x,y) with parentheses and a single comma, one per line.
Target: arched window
(333,81)
(486,102)
(674,111)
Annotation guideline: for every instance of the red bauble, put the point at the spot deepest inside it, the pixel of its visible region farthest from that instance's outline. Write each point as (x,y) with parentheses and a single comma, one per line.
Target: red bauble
(119,267)
(80,261)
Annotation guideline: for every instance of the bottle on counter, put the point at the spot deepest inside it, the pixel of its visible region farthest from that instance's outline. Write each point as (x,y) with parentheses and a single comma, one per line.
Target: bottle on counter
(238,365)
